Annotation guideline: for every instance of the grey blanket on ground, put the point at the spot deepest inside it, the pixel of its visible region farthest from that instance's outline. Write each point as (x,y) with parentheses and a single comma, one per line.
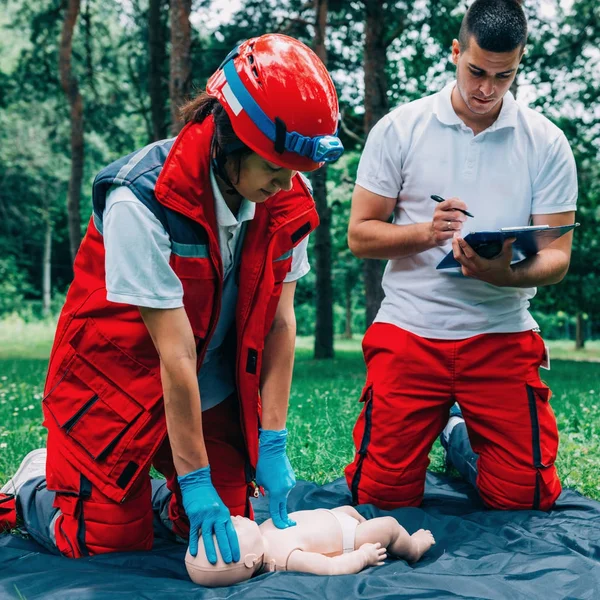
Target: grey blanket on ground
(479,554)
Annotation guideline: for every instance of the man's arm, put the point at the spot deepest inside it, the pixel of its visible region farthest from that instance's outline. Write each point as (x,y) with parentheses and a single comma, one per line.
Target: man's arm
(371,236)
(278,361)
(345,564)
(547,267)
(173,338)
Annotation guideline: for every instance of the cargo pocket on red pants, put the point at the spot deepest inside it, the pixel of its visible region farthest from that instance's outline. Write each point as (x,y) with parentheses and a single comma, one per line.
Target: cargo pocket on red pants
(367,420)
(93,415)
(543,424)
(544,441)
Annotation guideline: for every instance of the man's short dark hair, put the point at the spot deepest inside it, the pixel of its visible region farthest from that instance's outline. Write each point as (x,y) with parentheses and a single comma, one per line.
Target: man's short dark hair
(496,25)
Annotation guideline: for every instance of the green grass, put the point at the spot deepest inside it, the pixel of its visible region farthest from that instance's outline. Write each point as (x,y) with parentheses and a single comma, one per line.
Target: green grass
(323,407)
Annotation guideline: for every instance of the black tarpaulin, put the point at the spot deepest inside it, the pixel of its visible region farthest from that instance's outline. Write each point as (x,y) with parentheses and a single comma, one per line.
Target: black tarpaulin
(479,554)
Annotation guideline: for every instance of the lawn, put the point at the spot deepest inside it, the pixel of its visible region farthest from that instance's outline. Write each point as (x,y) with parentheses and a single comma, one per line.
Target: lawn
(323,406)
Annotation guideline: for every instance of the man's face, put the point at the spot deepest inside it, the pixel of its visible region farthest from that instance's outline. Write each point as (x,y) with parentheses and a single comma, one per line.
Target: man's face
(484,77)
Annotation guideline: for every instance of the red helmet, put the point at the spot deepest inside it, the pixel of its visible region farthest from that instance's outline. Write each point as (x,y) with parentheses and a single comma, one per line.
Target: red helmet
(281,101)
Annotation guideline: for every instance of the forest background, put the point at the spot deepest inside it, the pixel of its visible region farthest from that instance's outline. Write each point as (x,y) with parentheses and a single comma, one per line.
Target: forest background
(83,82)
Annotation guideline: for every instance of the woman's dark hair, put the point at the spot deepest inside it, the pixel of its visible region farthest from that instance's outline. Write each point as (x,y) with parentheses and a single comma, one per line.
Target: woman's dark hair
(496,25)
(225,144)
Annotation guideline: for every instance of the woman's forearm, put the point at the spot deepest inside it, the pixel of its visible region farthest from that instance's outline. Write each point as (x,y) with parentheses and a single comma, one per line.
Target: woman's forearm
(184,414)
(276,374)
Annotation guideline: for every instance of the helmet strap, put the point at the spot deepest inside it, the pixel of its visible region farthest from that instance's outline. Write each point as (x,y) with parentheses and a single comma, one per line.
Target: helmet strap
(280,133)
(218,163)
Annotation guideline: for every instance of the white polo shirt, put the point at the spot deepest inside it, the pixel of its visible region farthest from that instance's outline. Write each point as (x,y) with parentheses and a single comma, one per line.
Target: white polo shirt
(520,166)
(146,278)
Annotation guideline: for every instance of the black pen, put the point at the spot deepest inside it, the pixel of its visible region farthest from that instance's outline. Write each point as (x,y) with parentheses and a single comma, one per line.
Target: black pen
(464,212)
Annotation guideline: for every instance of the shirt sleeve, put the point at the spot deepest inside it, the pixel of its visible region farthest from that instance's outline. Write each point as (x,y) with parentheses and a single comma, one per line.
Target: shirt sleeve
(380,166)
(300,264)
(137,254)
(555,187)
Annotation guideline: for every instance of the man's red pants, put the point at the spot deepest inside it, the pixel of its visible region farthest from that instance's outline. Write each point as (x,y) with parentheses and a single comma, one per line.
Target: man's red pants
(91,523)
(411,384)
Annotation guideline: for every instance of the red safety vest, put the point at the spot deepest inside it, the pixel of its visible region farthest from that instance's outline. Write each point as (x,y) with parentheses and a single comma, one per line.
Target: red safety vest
(103,394)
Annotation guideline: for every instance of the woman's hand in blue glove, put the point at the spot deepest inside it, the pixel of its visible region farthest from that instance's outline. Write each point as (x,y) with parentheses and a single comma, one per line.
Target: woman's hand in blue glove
(206,512)
(275,474)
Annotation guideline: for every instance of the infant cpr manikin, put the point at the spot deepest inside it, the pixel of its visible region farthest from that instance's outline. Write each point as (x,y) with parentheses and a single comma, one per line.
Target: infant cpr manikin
(324,542)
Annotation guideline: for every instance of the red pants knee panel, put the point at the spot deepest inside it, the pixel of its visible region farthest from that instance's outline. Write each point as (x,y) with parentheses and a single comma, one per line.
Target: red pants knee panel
(505,488)
(8,512)
(385,489)
(91,523)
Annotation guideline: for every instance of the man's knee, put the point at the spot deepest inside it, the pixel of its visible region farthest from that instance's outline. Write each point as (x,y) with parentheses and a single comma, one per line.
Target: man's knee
(385,488)
(528,488)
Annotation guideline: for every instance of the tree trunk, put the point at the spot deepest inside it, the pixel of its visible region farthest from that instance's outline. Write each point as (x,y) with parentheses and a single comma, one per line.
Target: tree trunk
(47,264)
(157,53)
(180,63)
(376,106)
(579,331)
(71,89)
(324,289)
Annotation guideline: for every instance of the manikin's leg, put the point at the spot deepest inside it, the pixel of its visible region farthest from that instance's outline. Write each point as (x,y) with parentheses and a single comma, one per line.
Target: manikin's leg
(391,535)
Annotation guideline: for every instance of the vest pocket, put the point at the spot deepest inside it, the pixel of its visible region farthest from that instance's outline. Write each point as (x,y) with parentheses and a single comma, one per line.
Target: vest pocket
(93,415)
(199,281)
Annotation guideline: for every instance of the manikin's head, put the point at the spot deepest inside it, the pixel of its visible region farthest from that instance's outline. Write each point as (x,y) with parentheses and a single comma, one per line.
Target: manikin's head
(221,574)
(487,53)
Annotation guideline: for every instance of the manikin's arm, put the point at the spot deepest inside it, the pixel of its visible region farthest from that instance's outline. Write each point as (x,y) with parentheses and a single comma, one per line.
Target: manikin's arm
(345,564)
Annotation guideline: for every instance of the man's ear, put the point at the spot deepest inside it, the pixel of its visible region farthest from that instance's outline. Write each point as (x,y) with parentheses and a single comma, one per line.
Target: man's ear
(523,53)
(455,51)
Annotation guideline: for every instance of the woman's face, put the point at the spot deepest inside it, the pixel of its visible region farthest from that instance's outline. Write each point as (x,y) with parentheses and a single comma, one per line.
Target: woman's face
(259,178)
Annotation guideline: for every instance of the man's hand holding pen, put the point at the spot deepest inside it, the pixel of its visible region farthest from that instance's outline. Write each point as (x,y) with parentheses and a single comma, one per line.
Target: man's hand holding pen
(447,220)
(496,271)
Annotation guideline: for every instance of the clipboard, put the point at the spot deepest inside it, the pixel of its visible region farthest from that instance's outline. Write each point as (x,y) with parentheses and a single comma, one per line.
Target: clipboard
(529,241)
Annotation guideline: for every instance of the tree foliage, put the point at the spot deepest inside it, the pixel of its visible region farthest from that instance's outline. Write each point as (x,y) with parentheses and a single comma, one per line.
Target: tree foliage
(122,69)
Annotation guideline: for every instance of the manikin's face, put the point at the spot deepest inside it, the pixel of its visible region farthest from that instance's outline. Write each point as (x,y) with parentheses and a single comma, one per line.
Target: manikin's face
(251,558)
(259,178)
(483,78)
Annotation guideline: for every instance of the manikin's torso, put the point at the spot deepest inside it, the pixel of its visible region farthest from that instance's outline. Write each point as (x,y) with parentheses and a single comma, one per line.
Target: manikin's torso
(316,531)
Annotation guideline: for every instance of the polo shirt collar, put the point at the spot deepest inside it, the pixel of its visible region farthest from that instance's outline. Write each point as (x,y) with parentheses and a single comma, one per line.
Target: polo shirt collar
(444,110)
(225,218)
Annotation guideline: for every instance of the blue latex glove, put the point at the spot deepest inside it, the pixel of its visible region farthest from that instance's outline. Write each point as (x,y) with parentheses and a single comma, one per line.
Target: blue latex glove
(275,474)
(207,513)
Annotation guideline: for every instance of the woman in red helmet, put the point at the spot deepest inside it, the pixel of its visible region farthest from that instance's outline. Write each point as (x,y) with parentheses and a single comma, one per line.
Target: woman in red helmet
(175,345)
